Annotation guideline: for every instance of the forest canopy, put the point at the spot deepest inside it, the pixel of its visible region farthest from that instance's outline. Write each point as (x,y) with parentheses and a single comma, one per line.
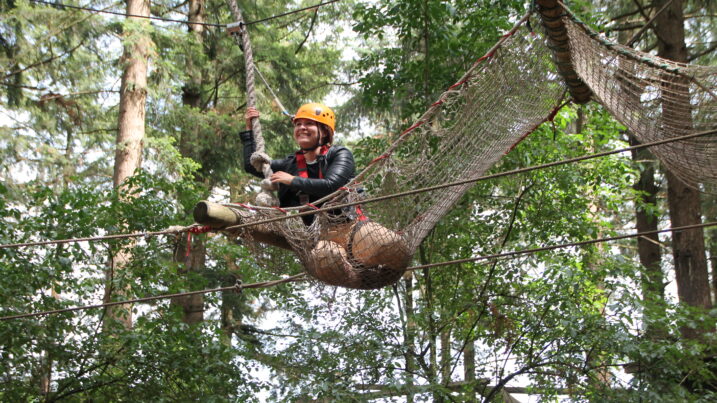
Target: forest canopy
(118,117)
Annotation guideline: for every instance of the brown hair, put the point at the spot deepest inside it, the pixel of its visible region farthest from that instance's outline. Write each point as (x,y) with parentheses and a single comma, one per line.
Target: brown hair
(326,134)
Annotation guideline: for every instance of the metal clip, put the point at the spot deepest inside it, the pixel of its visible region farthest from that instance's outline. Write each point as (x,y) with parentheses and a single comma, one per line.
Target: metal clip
(235,27)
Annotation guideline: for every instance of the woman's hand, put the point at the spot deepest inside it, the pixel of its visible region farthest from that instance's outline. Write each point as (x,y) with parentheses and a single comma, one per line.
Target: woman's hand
(251,114)
(281,177)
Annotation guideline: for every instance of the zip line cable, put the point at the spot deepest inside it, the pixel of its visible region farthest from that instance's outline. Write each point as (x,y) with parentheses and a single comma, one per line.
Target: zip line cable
(102,238)
(552,247)
(236,287)
(301,277)
(98,11)
(291,12)
(375,199)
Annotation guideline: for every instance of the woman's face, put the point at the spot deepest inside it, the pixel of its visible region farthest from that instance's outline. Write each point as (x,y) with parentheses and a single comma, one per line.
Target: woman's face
(306,133)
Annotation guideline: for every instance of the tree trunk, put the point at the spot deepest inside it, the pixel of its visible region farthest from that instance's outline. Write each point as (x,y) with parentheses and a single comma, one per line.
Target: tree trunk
(600,377)
(711,215)
(469,368)
(683,198)
(648,246)
(446,356)
(431,331)
(192,90)
(192,305)
(130,134)
(410,333)
(231,303)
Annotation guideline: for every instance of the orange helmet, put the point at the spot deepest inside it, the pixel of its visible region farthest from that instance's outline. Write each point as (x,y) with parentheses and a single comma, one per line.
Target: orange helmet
(318,113)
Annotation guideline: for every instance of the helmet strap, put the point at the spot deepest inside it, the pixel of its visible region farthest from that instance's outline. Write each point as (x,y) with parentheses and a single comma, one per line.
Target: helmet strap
(312,148)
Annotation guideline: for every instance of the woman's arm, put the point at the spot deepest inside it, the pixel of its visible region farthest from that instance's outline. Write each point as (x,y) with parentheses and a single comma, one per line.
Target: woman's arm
(247,140)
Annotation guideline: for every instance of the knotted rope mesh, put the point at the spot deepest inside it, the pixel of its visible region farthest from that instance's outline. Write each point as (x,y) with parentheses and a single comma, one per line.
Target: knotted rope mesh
(655,98)
(505,96)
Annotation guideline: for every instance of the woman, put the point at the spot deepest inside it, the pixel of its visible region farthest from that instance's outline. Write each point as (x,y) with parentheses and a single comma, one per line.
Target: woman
(318,169)
(352,253)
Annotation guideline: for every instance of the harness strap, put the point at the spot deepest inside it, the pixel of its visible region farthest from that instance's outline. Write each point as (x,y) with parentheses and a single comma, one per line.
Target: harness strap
(301,166)
(303,172)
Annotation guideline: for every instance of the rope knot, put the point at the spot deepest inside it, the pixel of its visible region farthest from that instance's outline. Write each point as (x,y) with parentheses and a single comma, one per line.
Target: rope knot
(258,159)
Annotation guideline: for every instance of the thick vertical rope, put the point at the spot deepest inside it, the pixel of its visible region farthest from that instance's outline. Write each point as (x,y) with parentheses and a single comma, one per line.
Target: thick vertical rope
(266,196)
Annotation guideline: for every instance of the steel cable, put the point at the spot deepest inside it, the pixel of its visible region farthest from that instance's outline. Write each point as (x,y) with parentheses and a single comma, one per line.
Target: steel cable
(302,276)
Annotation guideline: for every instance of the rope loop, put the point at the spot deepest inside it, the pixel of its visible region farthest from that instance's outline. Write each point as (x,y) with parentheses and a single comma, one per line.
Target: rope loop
(246,206)
(200,229)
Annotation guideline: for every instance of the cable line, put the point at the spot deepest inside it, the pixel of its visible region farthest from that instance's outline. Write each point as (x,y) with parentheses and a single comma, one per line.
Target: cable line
(370,200)
(102,238)
(291,12)
(98,11)
(236,287)
(302,276)
(560,246)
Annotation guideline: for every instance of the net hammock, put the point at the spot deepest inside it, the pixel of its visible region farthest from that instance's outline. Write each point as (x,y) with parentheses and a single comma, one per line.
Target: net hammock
(519,84)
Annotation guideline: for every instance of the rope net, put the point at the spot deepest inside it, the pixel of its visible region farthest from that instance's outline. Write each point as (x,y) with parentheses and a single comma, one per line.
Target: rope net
(653,97)
(505,96)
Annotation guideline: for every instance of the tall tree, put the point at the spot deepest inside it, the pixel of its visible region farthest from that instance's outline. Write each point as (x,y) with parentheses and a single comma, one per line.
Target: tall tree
(646,211)
(192,260)
(683,196)
(130,135)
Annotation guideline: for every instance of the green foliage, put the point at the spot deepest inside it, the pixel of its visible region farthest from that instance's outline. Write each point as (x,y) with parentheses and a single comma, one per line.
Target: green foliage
(552,320)
(420,48)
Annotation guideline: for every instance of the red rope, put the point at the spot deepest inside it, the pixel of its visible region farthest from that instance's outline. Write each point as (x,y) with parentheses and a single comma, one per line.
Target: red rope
(189,243)
(460,82)
(412,128)
(549,118)
(379,158)
(279,208)
(311,205)
(200,229)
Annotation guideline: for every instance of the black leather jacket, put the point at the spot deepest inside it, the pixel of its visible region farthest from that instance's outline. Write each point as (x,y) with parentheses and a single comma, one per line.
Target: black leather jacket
(337,167)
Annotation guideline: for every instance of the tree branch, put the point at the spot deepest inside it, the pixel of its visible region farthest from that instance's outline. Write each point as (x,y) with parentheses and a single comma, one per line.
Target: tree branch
(49,60)
(697,55)
(311,27)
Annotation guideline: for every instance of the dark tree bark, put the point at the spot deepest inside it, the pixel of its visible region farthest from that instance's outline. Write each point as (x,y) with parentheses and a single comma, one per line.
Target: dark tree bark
(688,246)
(192,305)
(648,247)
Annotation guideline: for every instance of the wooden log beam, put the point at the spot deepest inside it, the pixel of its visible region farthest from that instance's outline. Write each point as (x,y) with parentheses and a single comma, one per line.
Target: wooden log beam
(215,215)
(218,217)
(551,13)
